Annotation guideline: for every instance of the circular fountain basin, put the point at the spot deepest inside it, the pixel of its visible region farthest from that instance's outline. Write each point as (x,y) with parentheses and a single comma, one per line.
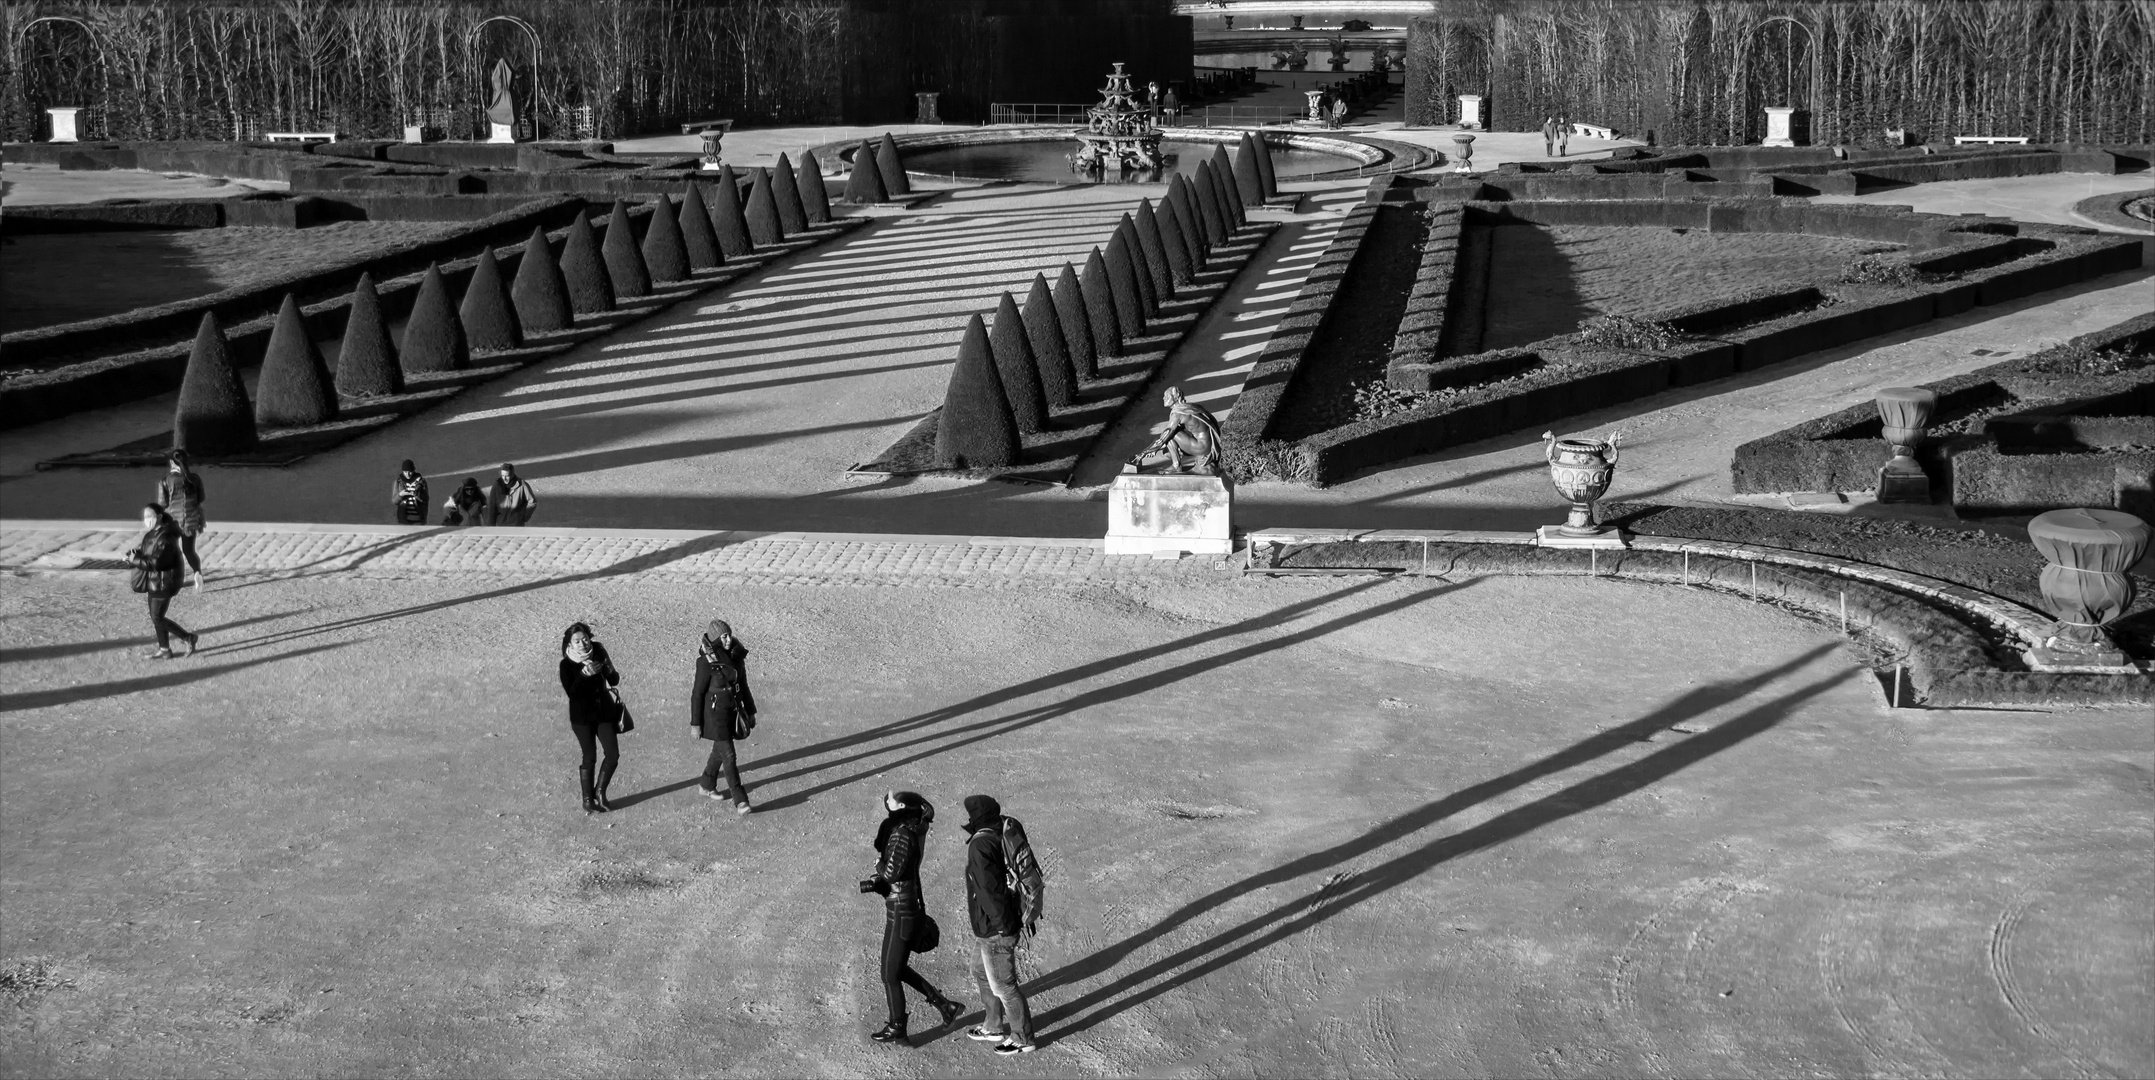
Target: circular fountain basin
(1047,160)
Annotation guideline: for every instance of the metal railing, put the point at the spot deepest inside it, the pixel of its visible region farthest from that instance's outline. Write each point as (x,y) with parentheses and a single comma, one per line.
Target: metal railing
(1211,116)
(1005,113)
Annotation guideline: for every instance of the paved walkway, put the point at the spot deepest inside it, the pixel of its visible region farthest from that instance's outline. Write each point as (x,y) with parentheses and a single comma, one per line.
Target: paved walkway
(2022,198)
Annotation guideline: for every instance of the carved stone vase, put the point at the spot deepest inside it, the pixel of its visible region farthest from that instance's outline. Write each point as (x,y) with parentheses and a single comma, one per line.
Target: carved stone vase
(1905,411)
(2086,585)
(1581,469)
(1463,149)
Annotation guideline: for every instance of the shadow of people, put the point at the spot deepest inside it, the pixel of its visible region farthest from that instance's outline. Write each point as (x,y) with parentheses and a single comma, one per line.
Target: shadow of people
(179,674)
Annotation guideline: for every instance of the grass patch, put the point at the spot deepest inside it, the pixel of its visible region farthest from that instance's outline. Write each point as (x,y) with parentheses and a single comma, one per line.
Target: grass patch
(1627,333)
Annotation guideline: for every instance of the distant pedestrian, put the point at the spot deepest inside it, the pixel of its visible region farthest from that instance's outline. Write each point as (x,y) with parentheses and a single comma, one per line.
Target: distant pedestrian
(510,501)
(1170,107)
(1548,136)
(408,495)
(999,915)
(588,679)
(1152,101)
(158,574)
(907,926)
(1339,111)
(722,709)
(466,505)
(180,493)
(1563,135)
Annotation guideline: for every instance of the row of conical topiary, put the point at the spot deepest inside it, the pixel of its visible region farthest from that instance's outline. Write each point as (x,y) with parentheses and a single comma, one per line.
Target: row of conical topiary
(587,277)
(1013,373)
(877,174)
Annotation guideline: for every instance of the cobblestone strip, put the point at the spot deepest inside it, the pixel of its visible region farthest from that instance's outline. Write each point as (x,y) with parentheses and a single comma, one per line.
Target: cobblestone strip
(695,556)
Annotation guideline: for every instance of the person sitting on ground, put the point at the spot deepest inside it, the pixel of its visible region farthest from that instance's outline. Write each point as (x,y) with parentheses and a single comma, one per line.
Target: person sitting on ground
(466,505)
(510,501)
(180,493)
(408,495)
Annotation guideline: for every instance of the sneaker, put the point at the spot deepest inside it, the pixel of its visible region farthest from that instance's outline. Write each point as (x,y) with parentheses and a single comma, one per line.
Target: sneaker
(981,1034)
(742,807)
(159,654)
(721,796)
(200,577)
(1009,1049)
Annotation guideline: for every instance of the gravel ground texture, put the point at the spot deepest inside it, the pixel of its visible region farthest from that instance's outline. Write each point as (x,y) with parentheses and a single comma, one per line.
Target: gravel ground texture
(1294,827)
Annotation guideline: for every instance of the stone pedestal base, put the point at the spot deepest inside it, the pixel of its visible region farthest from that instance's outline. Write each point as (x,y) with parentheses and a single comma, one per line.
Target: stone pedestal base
(63,123)
(1780,126)
(501,133)
(1902,484)
(1470,111)
(1554,536)
(1154,512)
(2103,659)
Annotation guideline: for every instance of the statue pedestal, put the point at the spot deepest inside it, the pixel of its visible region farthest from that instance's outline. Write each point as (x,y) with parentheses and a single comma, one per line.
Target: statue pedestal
(1470,111)
(1556,536)
(1155,512)
(63,122)
(1780,126)
(502,133)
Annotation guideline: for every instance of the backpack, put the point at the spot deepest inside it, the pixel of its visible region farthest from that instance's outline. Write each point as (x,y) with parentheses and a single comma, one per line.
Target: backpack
(1022,873)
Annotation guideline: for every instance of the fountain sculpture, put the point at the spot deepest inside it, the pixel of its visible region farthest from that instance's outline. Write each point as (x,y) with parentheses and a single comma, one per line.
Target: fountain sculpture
(1117,131)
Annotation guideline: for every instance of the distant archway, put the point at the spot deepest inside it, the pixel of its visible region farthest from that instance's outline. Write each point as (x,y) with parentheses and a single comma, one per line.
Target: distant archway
(1780,73)
(85,85)
(471,48)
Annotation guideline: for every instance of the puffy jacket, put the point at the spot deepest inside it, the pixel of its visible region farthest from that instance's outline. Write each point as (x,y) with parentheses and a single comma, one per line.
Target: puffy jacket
(159,553)
(897,873)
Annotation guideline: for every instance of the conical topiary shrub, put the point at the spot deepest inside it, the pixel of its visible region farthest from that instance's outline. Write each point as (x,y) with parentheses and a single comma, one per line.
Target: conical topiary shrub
(433,337)
(1249,183)
(1100,315)
(1148,302)
(976,430)
(212,417)
(815,198)
(1207,199)
(1020,373)
(1122,285)
(1193,230)
(1223,174)
(295,389)
(1264,164)
(1148,244)
(540,293)
(727,220)
(1214,198)
(763,225)
(864,184)
(664,253)
(367,361)
(1173,247)
(696,236)
(1044,331)
(624,258)
(591,288)
(489,323)
(786,194)
(888,163)
(1077,325)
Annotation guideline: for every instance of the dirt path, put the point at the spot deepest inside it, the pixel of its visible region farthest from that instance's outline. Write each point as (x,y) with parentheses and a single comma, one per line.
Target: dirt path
(1292,828)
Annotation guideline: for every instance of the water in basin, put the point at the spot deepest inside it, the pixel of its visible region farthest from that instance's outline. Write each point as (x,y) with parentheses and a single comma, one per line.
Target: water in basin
(1049,160)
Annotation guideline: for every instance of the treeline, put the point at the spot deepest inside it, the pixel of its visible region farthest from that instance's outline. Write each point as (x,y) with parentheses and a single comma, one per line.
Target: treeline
(1702,71)
(181,69)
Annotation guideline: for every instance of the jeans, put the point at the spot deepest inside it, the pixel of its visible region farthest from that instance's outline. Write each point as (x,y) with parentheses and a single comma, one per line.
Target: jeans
(995,969)
(164,627)
(722,760)
(898,972)
(589,738)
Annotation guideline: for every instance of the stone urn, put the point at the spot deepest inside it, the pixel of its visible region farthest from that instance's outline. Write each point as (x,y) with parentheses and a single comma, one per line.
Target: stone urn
(1905,411)
(1463,149)
(2086,585)
(1581,469)
(1316,105)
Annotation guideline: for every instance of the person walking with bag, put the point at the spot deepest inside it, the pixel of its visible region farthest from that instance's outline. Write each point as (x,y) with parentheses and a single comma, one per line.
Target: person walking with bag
(588,679)
(158,574)
(722,709)
(408,495)
(999,913)
(180,493)
(907,926)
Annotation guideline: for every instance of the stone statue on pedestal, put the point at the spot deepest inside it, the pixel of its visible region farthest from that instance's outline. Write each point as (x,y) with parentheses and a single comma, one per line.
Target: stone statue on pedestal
(501,112)
(1191,442)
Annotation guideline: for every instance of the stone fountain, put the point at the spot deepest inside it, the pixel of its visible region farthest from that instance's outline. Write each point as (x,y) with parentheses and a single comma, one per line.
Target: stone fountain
(1117,132)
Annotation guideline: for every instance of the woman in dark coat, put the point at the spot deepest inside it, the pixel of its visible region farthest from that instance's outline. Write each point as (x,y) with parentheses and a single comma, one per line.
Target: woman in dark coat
(181,494)
(157,554)
(721,709)
(408,495)
(899,843)
(466,505)
(588,678)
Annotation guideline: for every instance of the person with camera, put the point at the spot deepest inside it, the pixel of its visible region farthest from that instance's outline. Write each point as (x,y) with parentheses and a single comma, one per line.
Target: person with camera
(907,926)
(721,709)
(588,679)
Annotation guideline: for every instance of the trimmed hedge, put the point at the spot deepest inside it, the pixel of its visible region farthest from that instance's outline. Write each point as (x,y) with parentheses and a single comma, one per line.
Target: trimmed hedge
(1429,302)
(1072,312)
(976,428)
(1155,252)
(1010,342)
(764,226)
(540,293)
(1044,331)
(295,389)
(1108,332)
(728,221)
(664,251)
(488,319)
(815,197)
(583,269)
(433,336)
(213,416)
(624,258)
(1175,245)
(367,361)
(786,194)
(864,182)
(697,238)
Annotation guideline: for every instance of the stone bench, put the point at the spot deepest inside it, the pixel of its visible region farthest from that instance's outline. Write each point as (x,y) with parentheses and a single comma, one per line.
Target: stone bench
(301,137)
(1990,140)
(1594,131)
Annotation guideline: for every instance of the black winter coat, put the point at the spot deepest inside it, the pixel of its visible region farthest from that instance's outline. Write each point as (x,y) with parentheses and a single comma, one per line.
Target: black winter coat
(721,690)
(897,873)
(987,888)
(589,702)
(159,553)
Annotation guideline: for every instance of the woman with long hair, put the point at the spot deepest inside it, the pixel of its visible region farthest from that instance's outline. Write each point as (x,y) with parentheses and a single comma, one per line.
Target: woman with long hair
(899,842)
(181,494)
(160,570)
(588,679)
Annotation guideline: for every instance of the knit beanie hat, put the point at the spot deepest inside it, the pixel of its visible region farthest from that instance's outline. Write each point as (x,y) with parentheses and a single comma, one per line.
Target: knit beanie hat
(716,630)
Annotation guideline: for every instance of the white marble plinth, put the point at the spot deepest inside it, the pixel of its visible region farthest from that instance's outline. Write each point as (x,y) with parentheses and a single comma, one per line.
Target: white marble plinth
(63,122)
(1154,512)
(1470,111)
(1780,126)
(501,133)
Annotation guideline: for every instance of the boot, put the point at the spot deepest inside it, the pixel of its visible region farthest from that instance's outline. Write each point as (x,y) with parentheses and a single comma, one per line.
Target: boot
(591,802)
(948,1009)
(892,1032)
(606,775)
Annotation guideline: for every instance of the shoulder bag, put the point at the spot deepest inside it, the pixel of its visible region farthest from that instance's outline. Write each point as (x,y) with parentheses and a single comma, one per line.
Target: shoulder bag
(927,936)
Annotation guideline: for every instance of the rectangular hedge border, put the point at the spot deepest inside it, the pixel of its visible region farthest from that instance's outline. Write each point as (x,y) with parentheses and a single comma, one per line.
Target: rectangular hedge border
(1435,290)
(165,323)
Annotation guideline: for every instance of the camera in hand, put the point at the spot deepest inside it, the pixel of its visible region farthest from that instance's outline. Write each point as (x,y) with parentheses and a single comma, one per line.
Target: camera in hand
(868,886)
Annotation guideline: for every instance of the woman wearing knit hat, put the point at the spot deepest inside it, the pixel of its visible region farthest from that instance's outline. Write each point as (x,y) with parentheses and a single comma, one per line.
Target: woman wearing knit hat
(408,495)
(907,926)
(721,709)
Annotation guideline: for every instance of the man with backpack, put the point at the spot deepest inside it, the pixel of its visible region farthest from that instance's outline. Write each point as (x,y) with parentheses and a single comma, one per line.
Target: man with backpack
(1003,887)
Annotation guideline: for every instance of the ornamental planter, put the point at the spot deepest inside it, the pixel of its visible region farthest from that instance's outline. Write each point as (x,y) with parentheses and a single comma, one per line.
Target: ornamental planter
(2086,585)
(1581,470)
(1905,412)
